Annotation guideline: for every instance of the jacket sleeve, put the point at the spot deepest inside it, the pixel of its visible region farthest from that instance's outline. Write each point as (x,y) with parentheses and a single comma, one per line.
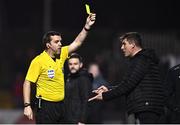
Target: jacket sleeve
(131,80)
(85,87)
(170,89)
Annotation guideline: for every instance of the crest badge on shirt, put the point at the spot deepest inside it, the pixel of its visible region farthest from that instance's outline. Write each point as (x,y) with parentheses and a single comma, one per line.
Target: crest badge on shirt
(51,73)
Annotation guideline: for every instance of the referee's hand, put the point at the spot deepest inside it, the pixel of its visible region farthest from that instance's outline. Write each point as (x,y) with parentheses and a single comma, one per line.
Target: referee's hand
(28,112)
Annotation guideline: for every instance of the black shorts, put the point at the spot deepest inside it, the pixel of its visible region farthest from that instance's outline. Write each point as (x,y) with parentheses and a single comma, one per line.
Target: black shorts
(49,112)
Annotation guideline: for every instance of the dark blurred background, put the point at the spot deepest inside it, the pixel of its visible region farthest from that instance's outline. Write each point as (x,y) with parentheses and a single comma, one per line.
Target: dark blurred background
(23,23)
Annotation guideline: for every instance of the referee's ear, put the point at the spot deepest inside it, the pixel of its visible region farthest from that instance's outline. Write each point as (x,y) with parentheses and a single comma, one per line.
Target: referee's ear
(48,45)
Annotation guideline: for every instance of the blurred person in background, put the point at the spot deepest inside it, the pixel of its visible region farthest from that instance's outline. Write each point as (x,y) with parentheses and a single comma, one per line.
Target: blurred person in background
(142,83)
(96,106)
(97,75)
(78,88)
(46,71)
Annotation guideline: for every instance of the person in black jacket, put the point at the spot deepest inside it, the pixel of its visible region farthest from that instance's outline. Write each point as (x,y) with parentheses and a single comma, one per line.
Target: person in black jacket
(141,84)
(173,95)
(78,88)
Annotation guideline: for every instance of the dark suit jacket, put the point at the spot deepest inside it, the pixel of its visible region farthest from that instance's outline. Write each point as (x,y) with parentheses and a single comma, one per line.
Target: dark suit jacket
(78,88)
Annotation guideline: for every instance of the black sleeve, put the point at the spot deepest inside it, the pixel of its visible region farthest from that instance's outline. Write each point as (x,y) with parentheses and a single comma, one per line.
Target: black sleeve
(170,88)
(85,87)
(131,80)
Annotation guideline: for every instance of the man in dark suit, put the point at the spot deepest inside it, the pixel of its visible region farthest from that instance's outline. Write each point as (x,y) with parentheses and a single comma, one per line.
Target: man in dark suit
(78,89)
(142,84)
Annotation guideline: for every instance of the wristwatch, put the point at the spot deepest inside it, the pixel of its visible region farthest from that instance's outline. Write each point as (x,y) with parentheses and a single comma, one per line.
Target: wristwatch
(27,104)
(86,29)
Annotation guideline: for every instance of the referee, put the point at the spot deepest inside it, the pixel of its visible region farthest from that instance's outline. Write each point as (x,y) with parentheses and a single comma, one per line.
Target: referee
(46,71)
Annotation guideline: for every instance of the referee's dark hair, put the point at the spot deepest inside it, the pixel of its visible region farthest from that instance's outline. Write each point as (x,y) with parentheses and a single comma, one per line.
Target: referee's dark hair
(75,55)
(47,37)
(132,37)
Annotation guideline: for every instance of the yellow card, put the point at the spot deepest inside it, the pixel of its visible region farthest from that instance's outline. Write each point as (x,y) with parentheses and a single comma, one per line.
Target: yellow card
(87,9)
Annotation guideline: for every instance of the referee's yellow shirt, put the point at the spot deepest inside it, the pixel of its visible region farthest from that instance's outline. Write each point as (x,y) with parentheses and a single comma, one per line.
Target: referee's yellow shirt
(48,75)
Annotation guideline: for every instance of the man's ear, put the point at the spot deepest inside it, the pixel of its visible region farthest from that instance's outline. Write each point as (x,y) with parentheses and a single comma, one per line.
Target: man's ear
(48,45)
(133,44)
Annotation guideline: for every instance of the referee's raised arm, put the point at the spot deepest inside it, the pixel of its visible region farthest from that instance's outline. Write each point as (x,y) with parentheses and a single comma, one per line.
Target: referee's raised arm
(83,34)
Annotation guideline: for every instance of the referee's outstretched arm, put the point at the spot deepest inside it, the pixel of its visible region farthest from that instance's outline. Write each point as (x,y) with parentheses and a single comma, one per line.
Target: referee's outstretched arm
(82,35)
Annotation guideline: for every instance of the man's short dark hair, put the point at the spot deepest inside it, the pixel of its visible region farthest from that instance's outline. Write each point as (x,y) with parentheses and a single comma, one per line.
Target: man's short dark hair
(47,37)
(132,37)
(75,55)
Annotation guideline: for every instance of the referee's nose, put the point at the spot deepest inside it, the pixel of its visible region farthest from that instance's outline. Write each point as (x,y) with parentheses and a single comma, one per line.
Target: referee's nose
(59,43)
